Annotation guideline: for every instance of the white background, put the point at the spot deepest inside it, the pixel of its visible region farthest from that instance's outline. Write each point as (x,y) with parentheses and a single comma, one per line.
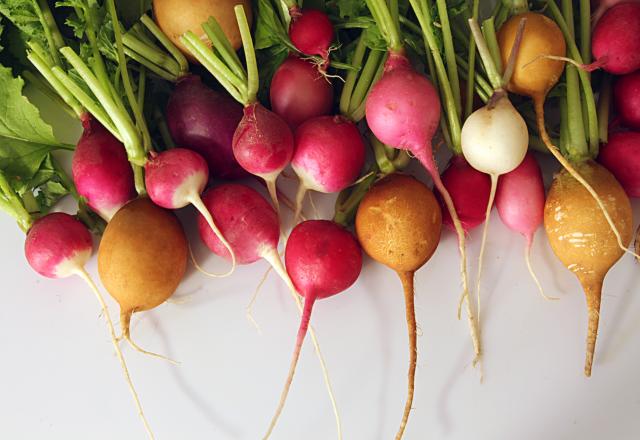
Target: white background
(60,378)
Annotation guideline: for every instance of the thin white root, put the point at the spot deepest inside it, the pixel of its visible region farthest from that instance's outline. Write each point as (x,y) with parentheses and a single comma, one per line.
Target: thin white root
(485,229)
(274,259)
(200,268)
(125,324)
(527,259)
(148,353)
(249,308)
(273,193)
(302,191)
(202,209)
(316,212)
(82,273)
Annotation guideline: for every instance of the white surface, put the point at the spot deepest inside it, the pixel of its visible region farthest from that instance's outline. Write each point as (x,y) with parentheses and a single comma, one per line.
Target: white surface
(60,378)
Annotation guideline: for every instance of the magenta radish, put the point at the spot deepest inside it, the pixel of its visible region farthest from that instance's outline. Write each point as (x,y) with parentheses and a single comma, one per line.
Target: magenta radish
(175,179)
(599,7)
(311,32)
(616,40)
(299,92)
(329,154)
(520,203)
(204,120)
(251,227)
(101,172)
(262,143)
(59,246)
(322,260)
(627,99)
(621,156)
(469,190)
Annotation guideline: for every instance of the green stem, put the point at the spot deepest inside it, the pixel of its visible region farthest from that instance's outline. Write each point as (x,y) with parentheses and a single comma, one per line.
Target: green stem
(471,72)
(253,80)
(489,33)
(51,31)
(346,209)
(518,6)
(585,31)
(168,76)
(564,126)
(352,76)
(151,53)
(481,82)
(99,68)
(485,54)
(161,123)
(385,22)
(380,154)
(11,203)
(138,179)
(363,84)
(604,109)
(46,87)
(221,43)
(164,40)
(358,113)
(142,87)
(450,55)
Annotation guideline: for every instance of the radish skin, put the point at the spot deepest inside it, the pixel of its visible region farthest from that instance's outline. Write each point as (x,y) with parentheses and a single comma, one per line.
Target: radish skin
(616,40)
(621,156)
(311,32)
(626,92)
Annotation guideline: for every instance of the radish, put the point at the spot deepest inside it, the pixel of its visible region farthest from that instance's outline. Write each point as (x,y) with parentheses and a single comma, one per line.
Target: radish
(601,6)
(329,154)
(403,111)
(251,227)
(299,92)
(520,202)
(398,224)
(469,190)
(59,246)
(621,156)
(204,120)
(322,259)
(101,172)
(262,142)
(616,42)
(627,99)
(311,32)
(175,179)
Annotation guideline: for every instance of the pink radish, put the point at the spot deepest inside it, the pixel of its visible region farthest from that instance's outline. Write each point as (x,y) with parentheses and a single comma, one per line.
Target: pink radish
(520,202)
(175,179)
(204,120)
(311,32)
(59,246)
(329,154)
(251,227)
(322,259)
(101,172)
(621,156)
(263,142)
(616,40)
(299,92)
(469,190)
(601,6)
(627,99)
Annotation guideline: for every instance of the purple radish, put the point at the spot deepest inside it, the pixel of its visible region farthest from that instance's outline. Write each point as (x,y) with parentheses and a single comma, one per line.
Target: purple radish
(520,202)
(329,154)
(59,246)
(175,179)
(322,259)
(204,120)
(251,226)
(299,92)
(311,32)
(101,171)
(621,156)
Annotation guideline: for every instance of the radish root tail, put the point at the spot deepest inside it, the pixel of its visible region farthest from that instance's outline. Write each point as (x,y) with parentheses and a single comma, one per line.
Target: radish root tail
(249,308)
(316,212)
(302,191)
(82,273)
(202,209)
(125,323)
(539,108)
(273,193)
(593,291)
(407,283)
(485,229)
(534,277)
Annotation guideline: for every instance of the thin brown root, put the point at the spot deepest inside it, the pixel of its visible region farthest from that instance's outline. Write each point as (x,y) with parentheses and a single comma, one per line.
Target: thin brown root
(485,229)
(249,309)
(125,322)
(407,284)
(82,273)
(274,259)
(202,209)
(527,259)
(593,292)
(515,49)
(539,108)
(586,67)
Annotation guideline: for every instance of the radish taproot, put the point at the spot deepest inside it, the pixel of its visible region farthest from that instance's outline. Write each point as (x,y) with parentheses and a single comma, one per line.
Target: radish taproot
(581,237)
(626,91)
(59,246)
(329,154)
(204,120)
(262,142)
(175,179)
(322,259)
(252,229)
(615,41)
(621,156)
(398,224)
(141,259)
(520,203)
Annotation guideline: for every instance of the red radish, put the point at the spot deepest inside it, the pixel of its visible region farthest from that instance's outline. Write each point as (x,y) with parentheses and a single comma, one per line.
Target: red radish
(299,92)
(616,40)
(59,246)
(322,259)
(601,6)
(469,189)
(175,179)
(520,202)
(311,32)
(627,99)
(101,171)
(204,120)
(251,226)
(329,154)
(621,156)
